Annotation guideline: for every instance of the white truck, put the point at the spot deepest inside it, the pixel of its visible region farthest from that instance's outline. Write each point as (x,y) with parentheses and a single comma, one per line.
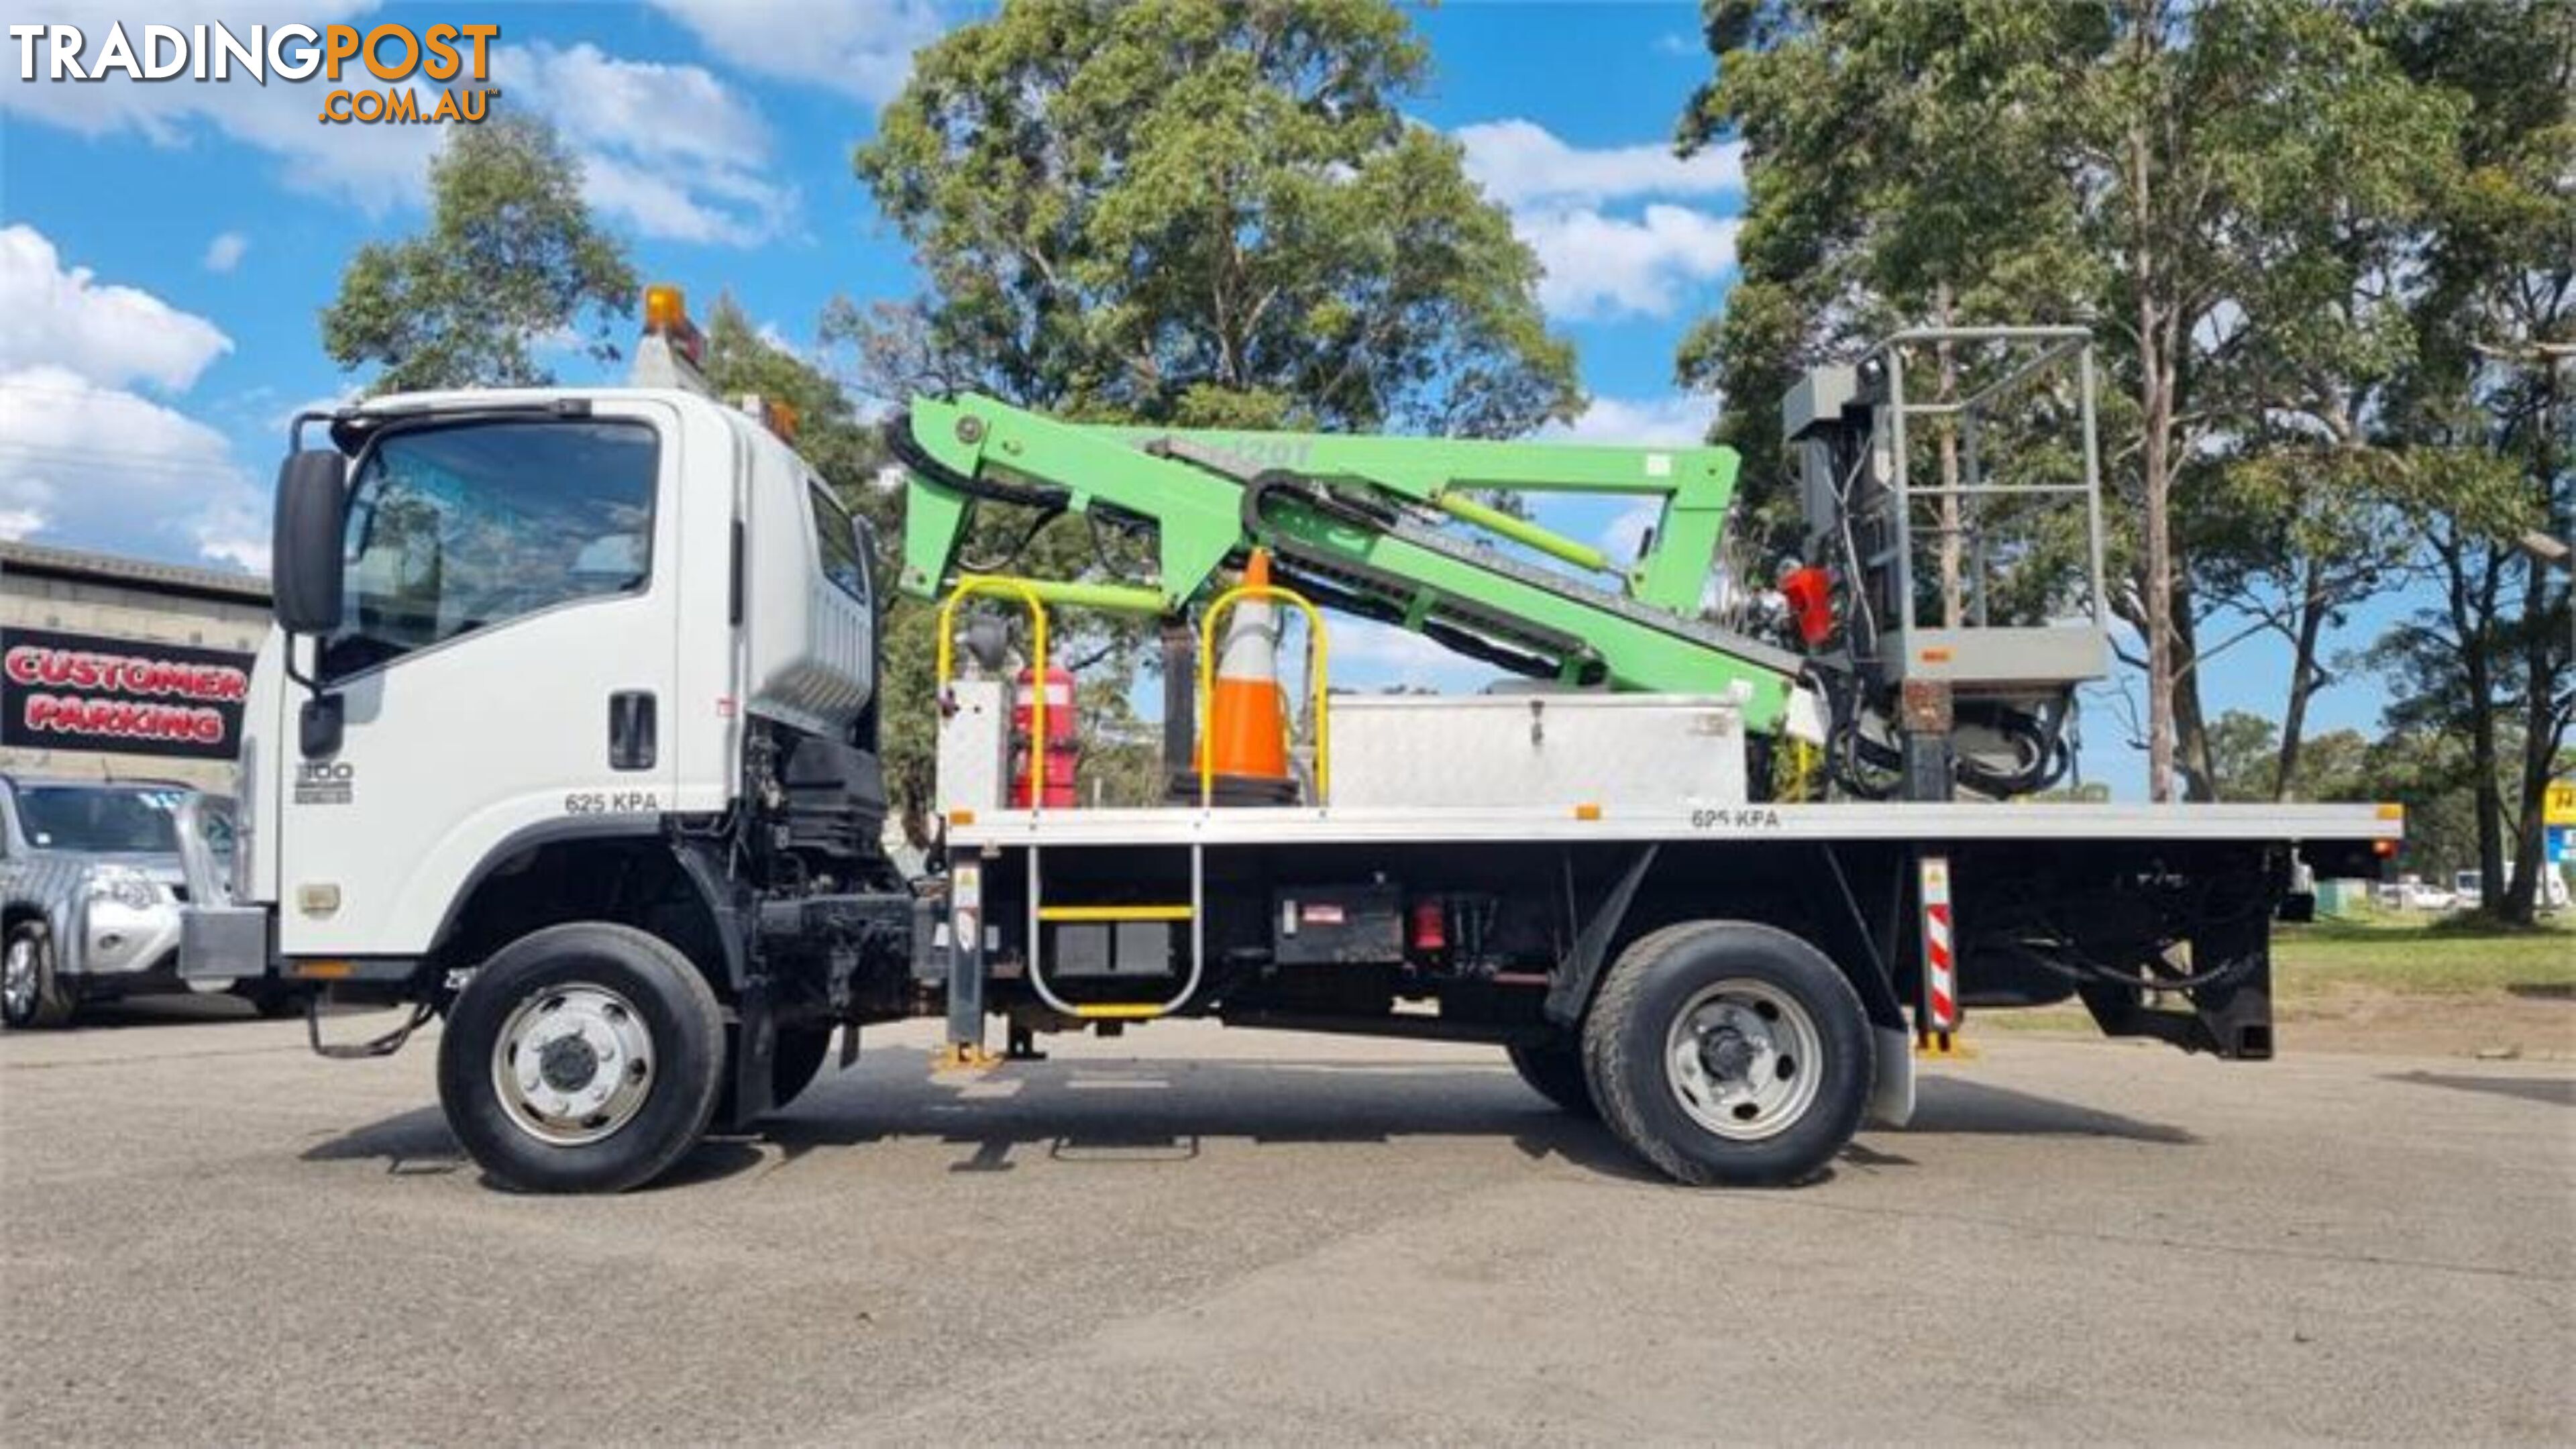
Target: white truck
(567,734)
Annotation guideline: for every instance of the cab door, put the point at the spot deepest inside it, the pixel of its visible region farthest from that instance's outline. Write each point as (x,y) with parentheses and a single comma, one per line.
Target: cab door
(504,665)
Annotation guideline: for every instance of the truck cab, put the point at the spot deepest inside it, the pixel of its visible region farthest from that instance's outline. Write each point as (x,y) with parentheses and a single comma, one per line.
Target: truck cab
(538,651)
(516,562)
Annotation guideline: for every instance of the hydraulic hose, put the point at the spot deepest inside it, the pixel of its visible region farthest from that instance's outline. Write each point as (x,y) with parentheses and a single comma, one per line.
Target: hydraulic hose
(908,451)
(1049,502)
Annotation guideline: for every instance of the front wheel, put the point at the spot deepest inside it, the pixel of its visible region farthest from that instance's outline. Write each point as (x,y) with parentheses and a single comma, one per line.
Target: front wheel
(30,994)
(1725,1052)
(582,1058)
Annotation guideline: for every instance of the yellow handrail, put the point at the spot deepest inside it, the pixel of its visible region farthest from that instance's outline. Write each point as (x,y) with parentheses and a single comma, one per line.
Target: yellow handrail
(968,586)
(1317,660)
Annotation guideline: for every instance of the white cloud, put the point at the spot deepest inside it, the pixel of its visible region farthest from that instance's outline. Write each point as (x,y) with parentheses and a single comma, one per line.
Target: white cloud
(233,526)
(1601,266)
(225,252)
(861,48)
(281,419)
(668,149)
(106,334)
(1679,419)
(1521,163)
(1674,43)
(375,167)
(94,467)
(84,460)
(1371,655)
(1625,534)
(1608,223)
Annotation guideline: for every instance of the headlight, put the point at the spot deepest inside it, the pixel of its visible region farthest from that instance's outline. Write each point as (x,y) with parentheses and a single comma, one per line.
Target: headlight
(125,886)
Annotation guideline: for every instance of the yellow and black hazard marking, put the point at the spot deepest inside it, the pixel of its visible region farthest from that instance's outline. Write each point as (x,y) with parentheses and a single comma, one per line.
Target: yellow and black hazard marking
(1943,1046)
(959,1057)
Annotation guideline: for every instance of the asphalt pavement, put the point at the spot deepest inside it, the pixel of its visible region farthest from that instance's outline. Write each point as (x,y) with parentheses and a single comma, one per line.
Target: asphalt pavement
(209,1236)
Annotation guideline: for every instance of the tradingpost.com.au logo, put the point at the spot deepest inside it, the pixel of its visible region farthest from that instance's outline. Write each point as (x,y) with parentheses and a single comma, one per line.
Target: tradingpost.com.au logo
(392,54)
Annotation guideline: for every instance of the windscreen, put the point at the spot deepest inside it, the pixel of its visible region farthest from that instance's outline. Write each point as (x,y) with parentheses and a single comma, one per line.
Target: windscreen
(464,526)
(99,818)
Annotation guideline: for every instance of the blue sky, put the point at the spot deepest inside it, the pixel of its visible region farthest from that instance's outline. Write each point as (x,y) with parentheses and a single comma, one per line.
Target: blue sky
(164,248)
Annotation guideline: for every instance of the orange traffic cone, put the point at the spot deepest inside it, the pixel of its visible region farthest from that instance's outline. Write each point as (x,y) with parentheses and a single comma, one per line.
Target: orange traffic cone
(1247,737)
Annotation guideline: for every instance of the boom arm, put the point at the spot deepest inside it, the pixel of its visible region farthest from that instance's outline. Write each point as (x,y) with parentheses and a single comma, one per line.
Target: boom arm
(1347,518)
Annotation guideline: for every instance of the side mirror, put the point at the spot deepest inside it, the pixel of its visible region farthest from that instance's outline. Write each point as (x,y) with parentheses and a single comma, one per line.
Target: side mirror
(321,726)
(312,513)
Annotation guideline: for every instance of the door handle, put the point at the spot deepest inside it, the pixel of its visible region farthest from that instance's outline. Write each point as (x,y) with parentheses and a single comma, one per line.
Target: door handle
(631,730)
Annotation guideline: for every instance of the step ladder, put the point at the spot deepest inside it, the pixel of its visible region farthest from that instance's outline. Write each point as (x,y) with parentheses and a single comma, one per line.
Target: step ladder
(1042,915)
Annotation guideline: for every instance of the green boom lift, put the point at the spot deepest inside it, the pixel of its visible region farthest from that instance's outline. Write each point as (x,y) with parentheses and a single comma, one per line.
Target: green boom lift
(1355,524)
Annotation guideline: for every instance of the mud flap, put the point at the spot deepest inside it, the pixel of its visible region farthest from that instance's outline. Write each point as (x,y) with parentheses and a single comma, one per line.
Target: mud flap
(752,1042)
(1891,1096)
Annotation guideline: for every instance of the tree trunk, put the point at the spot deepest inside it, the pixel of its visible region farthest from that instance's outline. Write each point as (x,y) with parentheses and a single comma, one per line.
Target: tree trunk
(2473,609)
(2192,759)
(1951,609)
(2303,684)
(2539,750)
(2157,337)
(2155,403)
(2549,608)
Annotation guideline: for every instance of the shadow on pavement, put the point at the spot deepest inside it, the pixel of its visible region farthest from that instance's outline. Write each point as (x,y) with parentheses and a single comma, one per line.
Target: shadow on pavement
(1081,1113)
(2544,990)
(183,1008)
(1087,1112)
(1948,1104)
(175,1009)
(2558,1091)
(412,1142)
(418,1144)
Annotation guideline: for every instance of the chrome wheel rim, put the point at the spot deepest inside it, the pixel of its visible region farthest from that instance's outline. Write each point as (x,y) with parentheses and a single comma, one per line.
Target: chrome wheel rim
(18,979)
(1744,1059)
(573,1064)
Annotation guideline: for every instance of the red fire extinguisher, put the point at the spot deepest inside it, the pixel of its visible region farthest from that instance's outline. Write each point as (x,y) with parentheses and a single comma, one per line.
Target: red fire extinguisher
(1063,741)
(1810,592)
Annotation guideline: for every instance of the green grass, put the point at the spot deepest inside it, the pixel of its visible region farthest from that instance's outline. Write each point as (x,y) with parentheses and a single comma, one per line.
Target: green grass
(2387,955)
(2447,957)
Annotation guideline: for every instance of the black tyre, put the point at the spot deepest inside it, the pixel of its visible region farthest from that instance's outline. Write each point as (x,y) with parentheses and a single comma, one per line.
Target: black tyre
(1554,1070)
(582,1058)
(31,997)
(1728,1053)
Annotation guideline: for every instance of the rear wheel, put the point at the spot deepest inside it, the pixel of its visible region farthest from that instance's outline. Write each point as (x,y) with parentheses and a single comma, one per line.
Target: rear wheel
(1554,1070)
(582,1058)
(1725,1052)
(30,995)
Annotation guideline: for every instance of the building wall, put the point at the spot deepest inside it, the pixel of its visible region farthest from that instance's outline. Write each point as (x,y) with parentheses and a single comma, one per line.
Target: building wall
(123,610)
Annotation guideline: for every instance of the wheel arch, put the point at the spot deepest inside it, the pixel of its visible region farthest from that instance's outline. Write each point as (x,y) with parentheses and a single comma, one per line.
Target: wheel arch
(54,915)
(1826,895)
(629,873)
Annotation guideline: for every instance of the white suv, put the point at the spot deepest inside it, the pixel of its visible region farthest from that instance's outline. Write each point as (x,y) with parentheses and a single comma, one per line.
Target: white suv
(91,882)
